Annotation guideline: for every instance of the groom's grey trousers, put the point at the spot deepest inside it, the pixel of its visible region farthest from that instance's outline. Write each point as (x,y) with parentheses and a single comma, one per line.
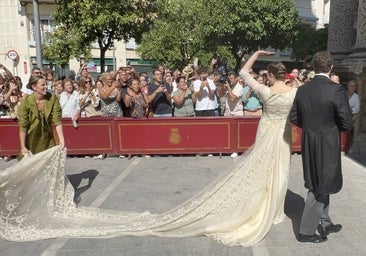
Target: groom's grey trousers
(316,212)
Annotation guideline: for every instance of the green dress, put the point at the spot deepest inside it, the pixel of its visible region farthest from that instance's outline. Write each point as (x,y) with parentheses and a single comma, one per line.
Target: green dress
(38,124)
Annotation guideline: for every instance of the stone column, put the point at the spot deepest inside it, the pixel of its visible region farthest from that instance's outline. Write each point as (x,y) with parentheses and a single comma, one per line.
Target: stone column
(354,65)
(342,30)
(361,26)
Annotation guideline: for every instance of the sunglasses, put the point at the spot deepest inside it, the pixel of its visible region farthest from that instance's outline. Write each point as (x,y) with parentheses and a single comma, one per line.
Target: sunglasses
(87,81)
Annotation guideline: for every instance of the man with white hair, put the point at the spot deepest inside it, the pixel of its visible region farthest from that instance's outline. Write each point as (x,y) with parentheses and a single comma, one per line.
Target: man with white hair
(353,98)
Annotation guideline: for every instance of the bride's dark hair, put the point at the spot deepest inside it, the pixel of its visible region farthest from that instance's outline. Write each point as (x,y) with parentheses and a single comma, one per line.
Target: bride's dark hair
(278,70)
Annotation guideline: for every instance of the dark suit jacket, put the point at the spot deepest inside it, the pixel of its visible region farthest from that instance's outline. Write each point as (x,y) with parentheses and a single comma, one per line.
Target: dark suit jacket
(321,109)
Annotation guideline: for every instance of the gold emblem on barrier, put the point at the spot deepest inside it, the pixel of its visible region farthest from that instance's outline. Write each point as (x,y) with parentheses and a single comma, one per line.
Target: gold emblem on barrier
(174,137)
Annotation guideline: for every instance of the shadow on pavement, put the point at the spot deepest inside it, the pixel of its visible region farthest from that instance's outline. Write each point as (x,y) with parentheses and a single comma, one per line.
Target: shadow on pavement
(359,158)
(78,182)
(294,206)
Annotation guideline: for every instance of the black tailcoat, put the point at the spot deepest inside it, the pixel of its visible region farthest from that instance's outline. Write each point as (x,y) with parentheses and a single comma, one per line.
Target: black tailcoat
(322,110)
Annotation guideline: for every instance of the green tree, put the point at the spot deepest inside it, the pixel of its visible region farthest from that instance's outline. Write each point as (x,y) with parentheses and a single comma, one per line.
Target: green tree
(63,48)
(89,21)
(245,26)
(308,41)
(176,35)
(240,26)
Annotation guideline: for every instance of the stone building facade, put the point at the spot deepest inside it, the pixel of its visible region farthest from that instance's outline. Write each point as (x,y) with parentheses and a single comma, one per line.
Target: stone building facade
(347,43)
(17,34)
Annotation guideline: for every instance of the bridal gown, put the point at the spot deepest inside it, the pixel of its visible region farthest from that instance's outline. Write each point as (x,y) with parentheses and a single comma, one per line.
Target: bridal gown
(37,200)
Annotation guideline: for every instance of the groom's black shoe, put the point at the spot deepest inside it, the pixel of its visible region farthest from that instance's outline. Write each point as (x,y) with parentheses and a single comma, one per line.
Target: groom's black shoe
(331,228)
(311,238)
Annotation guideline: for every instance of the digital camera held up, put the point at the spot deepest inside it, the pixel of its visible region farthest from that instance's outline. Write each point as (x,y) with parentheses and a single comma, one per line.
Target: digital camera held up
(224,80)
(221,64)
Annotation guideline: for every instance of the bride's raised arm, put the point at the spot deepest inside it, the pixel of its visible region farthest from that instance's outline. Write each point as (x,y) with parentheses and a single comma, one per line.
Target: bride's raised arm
(244,72)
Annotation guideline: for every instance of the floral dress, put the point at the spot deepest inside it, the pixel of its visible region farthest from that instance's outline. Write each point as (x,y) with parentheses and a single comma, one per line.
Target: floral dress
(111,106)
(138,106)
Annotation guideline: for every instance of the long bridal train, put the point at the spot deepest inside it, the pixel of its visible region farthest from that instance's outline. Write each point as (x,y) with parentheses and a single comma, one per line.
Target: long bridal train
(37,200)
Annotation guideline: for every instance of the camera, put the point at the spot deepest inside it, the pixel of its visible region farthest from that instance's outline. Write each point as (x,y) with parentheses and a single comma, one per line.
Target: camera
(224,80)
(221,64)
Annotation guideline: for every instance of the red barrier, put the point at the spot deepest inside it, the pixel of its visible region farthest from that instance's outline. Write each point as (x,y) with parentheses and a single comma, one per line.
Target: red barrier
(122,136)
(174,135)
(93,136)
(9,137)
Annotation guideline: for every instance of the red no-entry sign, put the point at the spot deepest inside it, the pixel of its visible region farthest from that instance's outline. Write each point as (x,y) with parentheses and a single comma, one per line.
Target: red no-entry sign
(12,54)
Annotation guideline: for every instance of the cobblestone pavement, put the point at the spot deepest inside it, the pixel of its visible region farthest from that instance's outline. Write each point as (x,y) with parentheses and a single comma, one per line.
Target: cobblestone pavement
(160,183)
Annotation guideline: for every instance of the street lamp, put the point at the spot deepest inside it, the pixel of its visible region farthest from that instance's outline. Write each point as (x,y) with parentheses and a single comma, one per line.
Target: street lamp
(37,29)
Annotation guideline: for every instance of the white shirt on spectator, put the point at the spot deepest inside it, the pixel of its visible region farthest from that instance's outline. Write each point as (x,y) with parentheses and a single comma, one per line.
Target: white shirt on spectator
(205,103)
(354,103)
(69,105)
(235,108)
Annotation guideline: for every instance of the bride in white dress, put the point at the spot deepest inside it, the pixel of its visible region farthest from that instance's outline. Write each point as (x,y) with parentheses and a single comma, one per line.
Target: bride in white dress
(37,201)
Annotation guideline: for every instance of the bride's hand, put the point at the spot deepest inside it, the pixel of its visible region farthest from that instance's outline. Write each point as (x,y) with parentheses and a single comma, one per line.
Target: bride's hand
(264,53)
(248,65)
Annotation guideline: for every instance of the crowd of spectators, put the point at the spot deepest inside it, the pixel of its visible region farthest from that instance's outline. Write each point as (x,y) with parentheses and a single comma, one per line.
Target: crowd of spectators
(192,91)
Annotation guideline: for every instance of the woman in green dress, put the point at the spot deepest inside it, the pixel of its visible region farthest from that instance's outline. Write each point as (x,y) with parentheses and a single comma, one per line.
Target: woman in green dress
(36,114)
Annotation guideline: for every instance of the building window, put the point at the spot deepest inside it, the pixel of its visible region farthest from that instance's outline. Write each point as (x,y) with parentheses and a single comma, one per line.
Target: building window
(131,44)
(46,25)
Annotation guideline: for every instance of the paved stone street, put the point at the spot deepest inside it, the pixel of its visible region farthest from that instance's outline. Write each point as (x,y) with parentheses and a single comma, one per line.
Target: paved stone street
(160,183)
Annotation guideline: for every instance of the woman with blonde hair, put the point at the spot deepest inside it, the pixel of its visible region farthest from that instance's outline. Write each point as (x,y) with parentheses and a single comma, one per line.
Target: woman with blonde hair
(69,102)
(89,99)
(111,95)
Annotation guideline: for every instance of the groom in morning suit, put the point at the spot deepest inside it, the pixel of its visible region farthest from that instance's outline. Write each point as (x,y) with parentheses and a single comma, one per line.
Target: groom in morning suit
(321,109)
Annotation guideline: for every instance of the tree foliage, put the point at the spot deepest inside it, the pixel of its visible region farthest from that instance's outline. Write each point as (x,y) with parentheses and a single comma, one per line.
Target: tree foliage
(63,47)
(308,41)
(245,26)
(205,25)
(176,35)
(88,21)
